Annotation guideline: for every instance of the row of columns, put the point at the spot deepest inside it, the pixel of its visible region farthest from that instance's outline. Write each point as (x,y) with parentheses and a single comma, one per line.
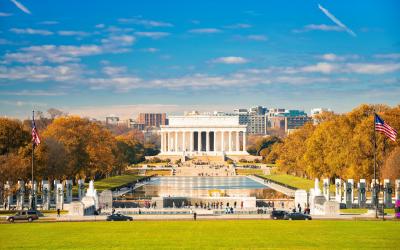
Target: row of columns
(176,141)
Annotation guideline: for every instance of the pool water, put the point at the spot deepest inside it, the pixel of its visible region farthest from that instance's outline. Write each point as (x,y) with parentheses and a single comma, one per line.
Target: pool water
(182,186)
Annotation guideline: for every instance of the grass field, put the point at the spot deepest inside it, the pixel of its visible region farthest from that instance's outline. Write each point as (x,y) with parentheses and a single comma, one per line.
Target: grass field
(249,171)
(227,234)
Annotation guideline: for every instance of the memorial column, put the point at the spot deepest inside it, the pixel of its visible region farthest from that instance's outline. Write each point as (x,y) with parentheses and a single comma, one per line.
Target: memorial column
(191,141)
(230,141)
(176,141)
(184,140)
(207,141)
(237,146)
(215,141)
(199,141)
(244,141)
(169,141)
(222,141)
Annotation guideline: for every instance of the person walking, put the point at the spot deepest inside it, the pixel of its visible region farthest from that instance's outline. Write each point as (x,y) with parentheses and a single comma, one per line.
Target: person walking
(194,216)
(58,212)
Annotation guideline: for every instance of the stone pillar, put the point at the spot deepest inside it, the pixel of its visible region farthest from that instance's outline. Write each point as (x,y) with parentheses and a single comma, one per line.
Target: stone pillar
(338,190)
(32,195)
(387,193)
(46,195)
(184,141)
(59,196)
(68,188)
(169,141)
(191,141)
(397,189)
(237,145)
(162,142)
(325,188)
(81,188)
(230,141)
(7,191)
(20,195)
(349,193)
(215,141)
(362,193)
(374,190)
(244,141)
(207,141)
(222,141)
(199,146)
(176,141)
(55,183)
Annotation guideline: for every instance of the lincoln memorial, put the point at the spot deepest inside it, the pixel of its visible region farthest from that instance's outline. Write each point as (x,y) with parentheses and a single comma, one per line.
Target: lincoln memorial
(203,135)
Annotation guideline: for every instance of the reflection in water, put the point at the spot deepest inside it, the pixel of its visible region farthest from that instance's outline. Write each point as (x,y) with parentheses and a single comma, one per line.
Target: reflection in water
(238,186)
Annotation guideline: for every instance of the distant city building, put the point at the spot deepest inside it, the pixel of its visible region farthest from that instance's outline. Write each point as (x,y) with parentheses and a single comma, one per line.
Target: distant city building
(316,111)
(112,120)
(287,119)
(152,119)
(255,118)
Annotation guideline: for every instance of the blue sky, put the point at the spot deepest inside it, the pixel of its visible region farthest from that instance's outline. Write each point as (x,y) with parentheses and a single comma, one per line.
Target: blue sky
(95,58)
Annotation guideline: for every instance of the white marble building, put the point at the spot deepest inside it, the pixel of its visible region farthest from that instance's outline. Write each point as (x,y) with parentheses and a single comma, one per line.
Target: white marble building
(203,135)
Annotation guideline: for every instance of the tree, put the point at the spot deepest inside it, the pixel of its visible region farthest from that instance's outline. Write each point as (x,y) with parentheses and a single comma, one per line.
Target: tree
(391,168)
(12,136)
(54,113)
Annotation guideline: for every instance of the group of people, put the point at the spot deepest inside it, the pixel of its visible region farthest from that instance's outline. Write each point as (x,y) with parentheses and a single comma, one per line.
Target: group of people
(216,205)
(306,210)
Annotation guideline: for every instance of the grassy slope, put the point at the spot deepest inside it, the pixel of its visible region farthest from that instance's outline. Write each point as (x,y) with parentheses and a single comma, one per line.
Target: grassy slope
(249,171)
(297,182)
(115,181)
(202,234)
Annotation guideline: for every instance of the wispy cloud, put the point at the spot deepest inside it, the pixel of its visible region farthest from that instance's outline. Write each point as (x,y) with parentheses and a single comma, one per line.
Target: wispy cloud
(153,35)
(230,60)
(151,50)
(239,26)
(32,93)
(394,56)
(205,31)
(21,6)
(144,22)
(257,37)
(49,22)
(321,27)
(336,21)
(29,31)
(4,14)
(73,33)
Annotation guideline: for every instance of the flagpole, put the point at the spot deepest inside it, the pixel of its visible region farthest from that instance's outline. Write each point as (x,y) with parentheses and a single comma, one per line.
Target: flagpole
(33,158)
(375,186)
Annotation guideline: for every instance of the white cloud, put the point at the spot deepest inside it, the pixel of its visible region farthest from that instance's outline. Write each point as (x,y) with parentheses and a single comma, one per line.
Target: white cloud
(72,33)
(29,31)
(99,26)
(394,56)
(32,93)
(257,37)
(144,22)
(338,58)
(21,6)
(321,67)
(113,71)
(4,14)
(152,35)
(230,60)
(372,68)
(336,21)
(205,31)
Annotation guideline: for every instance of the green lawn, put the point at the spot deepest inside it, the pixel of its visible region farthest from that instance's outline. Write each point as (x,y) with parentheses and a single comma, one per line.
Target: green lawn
(227,234)
(363,211)
(297,182)
(249,171)
(115,181)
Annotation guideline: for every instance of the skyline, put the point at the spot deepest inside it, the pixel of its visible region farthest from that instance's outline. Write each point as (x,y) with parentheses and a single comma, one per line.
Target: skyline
(85,59)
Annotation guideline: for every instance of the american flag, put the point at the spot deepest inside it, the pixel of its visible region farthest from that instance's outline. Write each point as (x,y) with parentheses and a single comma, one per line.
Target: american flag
(35,135)
(384,128)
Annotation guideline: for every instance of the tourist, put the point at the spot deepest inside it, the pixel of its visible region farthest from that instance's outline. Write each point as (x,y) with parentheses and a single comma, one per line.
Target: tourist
(58,212)
(234,204)
(231,210)
(194,216)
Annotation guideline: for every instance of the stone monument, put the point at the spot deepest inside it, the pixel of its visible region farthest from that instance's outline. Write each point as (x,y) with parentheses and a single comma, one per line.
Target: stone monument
(331,208)
(301,197)
(68,191)
(90,200)
(20,195)
(81,188)
(338,190)
(325,188)
(349,193)
(105,200)
(46,195)
(387,193)
(362,193)
(32,195)
(374,190)
(7,191)
(60,196)
(397,189)
(55,183)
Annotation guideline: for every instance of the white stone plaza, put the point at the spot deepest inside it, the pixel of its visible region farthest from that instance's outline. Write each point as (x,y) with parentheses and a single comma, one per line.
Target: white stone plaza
(203,135)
